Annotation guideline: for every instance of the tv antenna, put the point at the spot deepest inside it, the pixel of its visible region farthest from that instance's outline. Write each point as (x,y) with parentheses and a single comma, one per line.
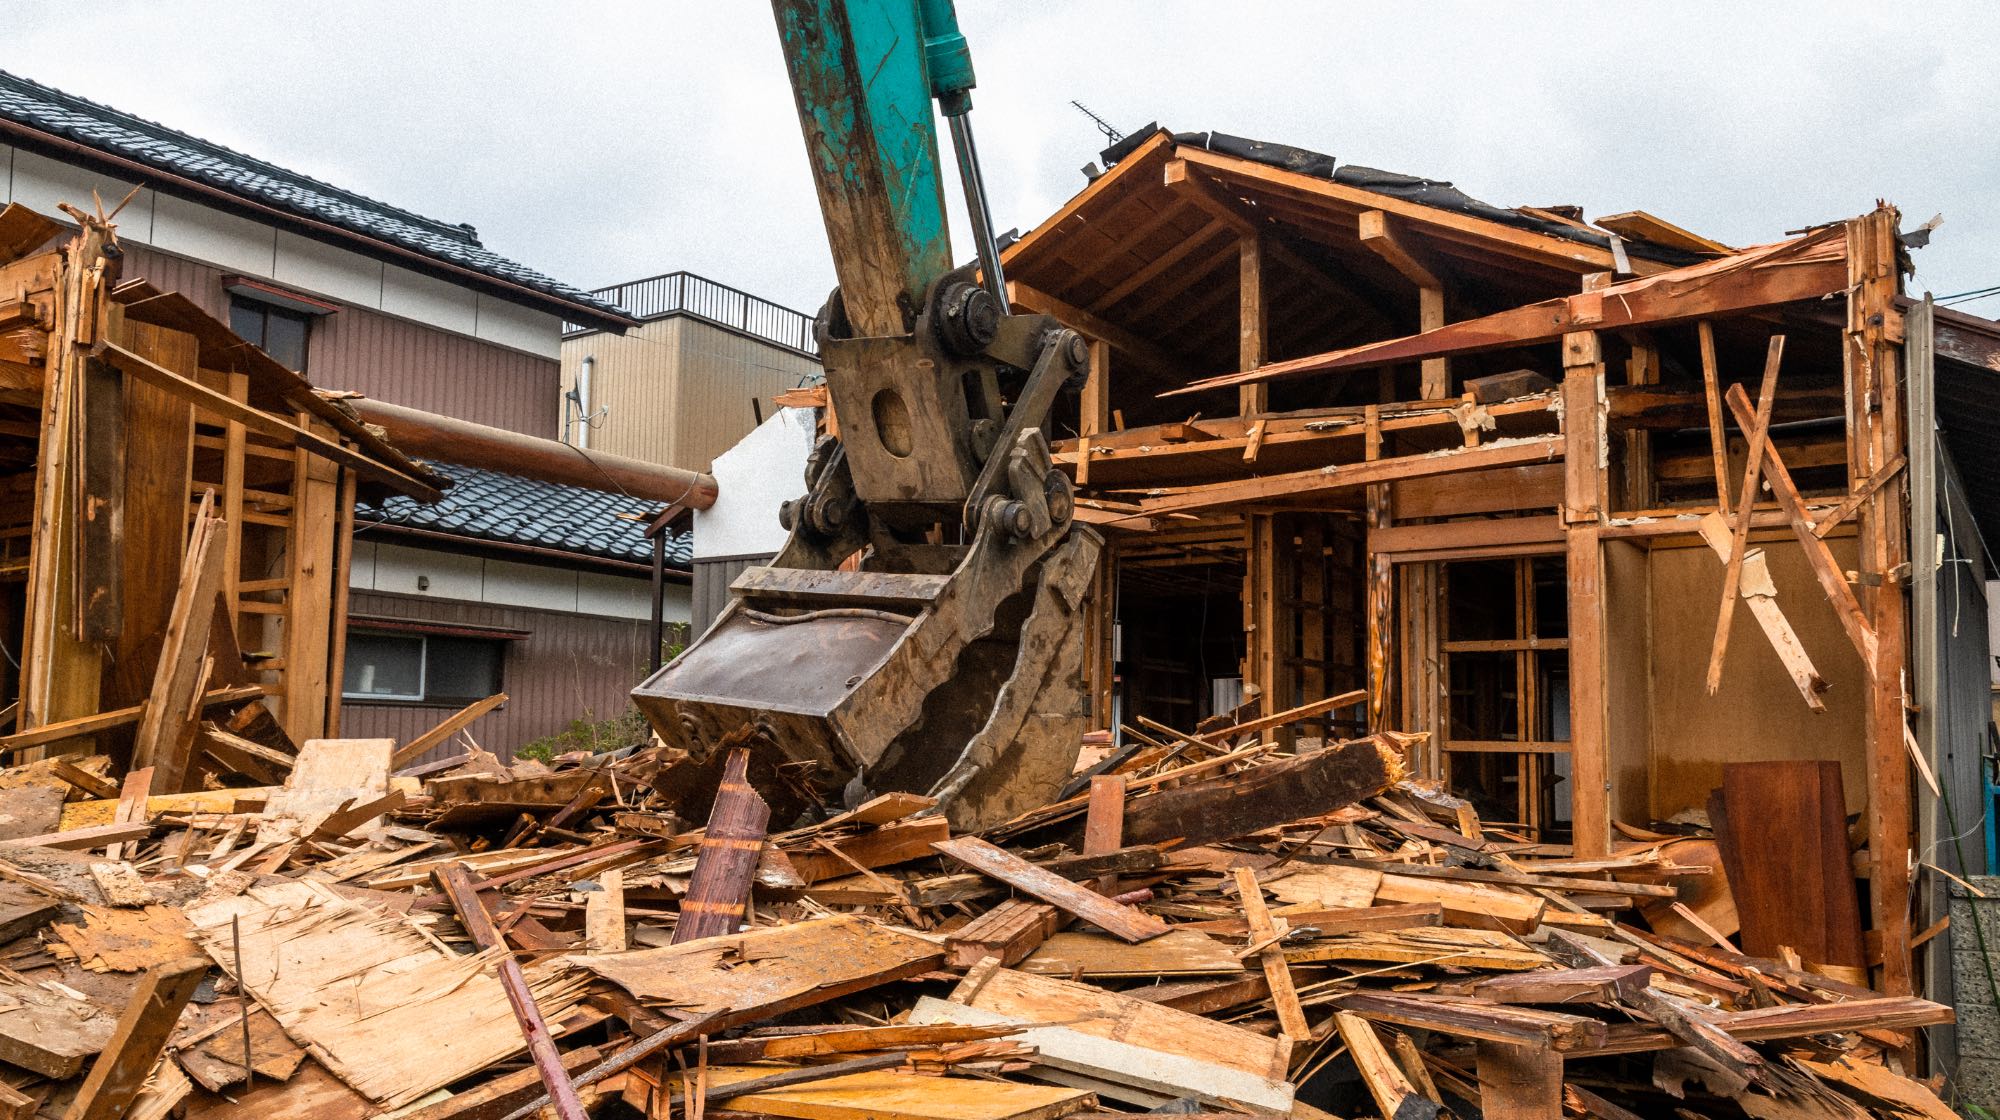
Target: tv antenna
(1110,131)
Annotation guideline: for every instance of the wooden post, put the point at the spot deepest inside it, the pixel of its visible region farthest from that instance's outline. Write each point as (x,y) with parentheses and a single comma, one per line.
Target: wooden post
(1095,412)
(1380,234)
(1251,350)
(1642,368)
(1584,498)
(311,558)
(1264,618)
(336,660)
(1875,401)
(135,1044)
(1104,823)
(1381,585)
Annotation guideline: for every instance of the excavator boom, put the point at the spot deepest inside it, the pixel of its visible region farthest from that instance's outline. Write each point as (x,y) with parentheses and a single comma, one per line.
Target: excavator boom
(920,630)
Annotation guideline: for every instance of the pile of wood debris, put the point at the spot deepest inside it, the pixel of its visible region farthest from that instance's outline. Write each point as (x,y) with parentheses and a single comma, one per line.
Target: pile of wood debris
(1204,924)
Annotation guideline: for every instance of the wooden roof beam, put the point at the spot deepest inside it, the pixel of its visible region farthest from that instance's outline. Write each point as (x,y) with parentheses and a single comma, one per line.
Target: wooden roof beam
(1496,236)
(1158,265)
(1385,237)
(1035,300)
(1807,268)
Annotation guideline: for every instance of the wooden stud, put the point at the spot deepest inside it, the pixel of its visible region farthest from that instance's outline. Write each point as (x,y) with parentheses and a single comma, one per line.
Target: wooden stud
(1251,323)
(166,730)
(1380,233)
(1718,444)
(1732,573)
(1095,406)
(1266,931)
(1394,1096)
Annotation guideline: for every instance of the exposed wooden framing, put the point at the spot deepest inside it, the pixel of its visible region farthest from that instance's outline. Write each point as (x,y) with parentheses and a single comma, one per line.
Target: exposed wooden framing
(61,681)
(1474,533)
(1711,381)
(1379,233)
(1265,561)
(1807,268)
(50,733)
(1134,344)
(1873,362)
(1252,325)
(1343,476)
(311,552)
(264,423)
(1153,270)
(1832,580)
(1493,236)
(1583,510)
(1732,573)
(336,660)
(1094,411)
(234,440)
(1758,589)
(1381,594)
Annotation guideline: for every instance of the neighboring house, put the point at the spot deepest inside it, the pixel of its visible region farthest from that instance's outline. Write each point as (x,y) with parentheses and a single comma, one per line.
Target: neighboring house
(359,295)
(694,377)
(543,592)
(760,473)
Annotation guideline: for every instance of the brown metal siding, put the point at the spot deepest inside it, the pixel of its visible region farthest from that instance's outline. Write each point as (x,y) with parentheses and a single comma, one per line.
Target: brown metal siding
(711,588)
(570,667)
(394,359)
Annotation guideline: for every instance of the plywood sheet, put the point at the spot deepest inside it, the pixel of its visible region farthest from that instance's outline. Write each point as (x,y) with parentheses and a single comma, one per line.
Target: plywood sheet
(354,985)
(890,1095)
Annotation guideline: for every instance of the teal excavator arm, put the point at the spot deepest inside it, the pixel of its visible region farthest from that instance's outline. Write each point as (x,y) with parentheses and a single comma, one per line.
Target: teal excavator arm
(920,630)
(864,97)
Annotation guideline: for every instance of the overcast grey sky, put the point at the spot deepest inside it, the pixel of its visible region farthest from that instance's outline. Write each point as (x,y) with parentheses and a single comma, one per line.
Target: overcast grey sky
(601,142)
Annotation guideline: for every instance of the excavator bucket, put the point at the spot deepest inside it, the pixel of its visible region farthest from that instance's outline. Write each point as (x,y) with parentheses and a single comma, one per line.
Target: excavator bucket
(966,684)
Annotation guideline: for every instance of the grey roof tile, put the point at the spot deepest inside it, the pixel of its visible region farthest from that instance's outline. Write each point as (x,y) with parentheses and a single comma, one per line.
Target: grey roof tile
(108,130)
(485,505)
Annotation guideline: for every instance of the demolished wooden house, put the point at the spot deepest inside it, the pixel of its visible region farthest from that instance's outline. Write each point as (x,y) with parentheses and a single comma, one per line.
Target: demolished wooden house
(181,516)
(1347,429)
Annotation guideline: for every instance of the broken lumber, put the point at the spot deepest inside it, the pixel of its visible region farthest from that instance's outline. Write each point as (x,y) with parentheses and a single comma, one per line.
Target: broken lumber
(1124,921)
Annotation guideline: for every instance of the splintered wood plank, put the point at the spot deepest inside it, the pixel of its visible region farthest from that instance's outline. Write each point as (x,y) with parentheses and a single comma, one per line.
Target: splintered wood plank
(452,725)
(1011,931)
(720,887)
(604,914)
(1265,932)
(1473,905)
(1439,947)
(113,939)
(1761,592)
(83,839)
(1266,796)
(135,1043)
(1325,887)
(1603,984)
(1471,1018)
(1095,1011)
(891,1095)
(49,1032)
(1759,433)
(1127,922)
(166,730)
(1393,1093)
(491,1099)
(1183,952)
(23,910)
(354,984)
(328,775)
(1103,1058)
(769,970)
(890,844)
(1104,822)
(1519,1081)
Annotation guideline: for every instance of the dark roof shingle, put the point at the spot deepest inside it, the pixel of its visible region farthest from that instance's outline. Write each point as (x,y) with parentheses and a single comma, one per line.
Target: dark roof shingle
(38,107)
(485,505)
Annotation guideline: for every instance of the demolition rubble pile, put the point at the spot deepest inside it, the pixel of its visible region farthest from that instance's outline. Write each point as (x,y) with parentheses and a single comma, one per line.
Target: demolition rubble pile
(1208,922)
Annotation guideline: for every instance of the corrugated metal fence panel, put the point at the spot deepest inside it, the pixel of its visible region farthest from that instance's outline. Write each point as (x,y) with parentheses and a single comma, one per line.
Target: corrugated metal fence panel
(711,588)
(570,667)
(394,359)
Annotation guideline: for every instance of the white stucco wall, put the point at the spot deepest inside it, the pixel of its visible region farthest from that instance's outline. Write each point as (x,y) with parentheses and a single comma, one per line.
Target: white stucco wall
(238,244)
(764,469)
